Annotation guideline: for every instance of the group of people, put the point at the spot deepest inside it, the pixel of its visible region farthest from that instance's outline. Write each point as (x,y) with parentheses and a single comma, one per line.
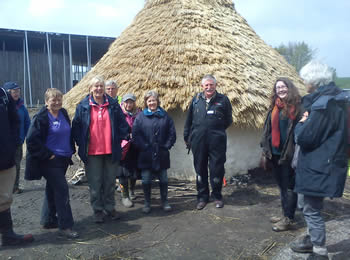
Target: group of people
(115,139)
(305,143)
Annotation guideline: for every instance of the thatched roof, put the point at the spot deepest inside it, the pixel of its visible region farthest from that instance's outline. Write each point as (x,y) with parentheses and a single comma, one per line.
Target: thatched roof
(171,44)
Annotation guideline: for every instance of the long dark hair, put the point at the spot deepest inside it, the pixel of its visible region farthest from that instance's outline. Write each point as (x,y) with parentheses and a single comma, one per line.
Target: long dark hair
(293,97)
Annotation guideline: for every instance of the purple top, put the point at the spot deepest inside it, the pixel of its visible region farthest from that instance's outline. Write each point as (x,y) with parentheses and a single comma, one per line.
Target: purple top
(58,139)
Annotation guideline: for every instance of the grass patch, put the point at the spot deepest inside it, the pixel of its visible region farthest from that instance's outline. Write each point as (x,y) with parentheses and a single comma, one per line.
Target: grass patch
(343,82)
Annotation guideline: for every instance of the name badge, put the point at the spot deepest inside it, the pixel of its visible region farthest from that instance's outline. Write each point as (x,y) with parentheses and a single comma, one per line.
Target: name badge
(210,112)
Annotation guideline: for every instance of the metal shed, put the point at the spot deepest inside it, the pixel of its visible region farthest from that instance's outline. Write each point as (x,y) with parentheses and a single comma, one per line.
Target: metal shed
(40,60)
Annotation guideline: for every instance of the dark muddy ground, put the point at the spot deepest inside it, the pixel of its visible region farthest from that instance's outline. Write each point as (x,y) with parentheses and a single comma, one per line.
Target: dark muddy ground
(240,230)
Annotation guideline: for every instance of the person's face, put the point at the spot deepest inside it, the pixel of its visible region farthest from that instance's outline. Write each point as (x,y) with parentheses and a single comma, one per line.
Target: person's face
(209,88)
(97,90)
(281,90)
(111,91)
(129,105)
(15,93)
(54,104)
(309,88)
(152,103)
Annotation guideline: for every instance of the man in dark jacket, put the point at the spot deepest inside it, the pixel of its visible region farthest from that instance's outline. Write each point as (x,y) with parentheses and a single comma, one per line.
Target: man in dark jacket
(322,162)
(208,117)
(9,129)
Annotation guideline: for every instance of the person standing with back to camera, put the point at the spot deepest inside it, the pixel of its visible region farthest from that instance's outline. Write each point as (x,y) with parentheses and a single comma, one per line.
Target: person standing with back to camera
(208,117)
(322,162)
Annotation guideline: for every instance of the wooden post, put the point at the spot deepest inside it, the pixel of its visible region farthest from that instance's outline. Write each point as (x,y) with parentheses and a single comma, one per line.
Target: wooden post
(70,62)
(28,68)
(48,44)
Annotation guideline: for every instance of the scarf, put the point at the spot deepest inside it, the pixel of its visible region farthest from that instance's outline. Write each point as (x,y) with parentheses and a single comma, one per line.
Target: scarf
(275,121)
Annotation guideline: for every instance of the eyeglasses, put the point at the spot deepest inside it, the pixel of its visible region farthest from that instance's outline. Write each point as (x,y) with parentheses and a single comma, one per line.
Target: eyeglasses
(281,87)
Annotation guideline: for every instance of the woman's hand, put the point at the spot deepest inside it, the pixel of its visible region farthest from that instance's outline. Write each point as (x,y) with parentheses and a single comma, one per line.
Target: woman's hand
(52,157)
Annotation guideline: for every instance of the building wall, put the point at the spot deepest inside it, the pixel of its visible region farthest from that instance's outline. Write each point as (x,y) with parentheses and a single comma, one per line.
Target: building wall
(243,151)
(12,69)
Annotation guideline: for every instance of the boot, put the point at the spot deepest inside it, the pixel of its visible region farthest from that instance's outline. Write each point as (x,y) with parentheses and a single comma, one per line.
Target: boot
(132,183)
(9,237)
(147,193)
(283,225)
(303,245)
(164,196)
(125,197)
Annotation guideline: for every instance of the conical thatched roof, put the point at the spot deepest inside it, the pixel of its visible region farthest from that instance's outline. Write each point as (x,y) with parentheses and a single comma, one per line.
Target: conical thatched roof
(171,44)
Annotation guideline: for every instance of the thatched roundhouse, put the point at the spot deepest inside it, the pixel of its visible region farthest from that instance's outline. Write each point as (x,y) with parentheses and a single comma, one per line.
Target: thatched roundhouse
(170,45)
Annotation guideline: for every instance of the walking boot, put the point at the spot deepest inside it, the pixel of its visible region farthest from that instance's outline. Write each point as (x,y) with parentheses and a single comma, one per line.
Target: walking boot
(125,197)
(275,219)
(303,245)
(283,225)
(147,194)
(164,196)
(9,237)
(132,183)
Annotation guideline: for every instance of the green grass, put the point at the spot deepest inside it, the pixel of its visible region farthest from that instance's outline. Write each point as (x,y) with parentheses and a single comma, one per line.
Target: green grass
(343,82)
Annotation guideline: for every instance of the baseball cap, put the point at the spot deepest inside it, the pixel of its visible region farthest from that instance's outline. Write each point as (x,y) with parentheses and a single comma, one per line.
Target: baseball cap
(10,85)
(129,96)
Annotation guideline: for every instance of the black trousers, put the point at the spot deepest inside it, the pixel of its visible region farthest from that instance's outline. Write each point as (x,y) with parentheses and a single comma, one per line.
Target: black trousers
(285,178)
(209,152)
(56,199)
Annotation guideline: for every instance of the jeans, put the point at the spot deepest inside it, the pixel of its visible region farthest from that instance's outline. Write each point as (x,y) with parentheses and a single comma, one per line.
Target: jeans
(56,193)
(101,173)
(315,223)
(148,174)
(285,178)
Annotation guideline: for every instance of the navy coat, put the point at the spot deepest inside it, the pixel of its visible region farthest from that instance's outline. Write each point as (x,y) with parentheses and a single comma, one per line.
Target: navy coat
(154,135)
(37,151)
(322,163)
(81,128)
(9,130)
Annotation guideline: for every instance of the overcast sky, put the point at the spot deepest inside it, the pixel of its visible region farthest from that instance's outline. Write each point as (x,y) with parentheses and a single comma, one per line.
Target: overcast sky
(322,24)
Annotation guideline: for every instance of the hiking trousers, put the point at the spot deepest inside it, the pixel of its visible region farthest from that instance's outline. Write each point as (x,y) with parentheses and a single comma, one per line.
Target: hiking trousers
(209,152)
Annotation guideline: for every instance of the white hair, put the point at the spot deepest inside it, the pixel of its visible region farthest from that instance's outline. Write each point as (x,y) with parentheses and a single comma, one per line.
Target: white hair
(208,76)
(111,83)
(316,74)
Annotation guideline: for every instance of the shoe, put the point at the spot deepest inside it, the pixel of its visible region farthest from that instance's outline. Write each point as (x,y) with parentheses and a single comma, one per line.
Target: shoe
(283,225)
(127,202)
(275,219)
(219,204)
(17,191)
(13,239)
(113,215)
(146,208)
(201,205)
(132,195)
(166,207)
(68,233)
(99,217)
(315,256)
(50,225)
(303,245)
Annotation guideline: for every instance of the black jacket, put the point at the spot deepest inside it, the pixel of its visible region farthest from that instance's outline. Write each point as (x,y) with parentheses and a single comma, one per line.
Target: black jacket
(37,152)
(212,121)
(322,162)
(81,128)
(9,130)
(154,135)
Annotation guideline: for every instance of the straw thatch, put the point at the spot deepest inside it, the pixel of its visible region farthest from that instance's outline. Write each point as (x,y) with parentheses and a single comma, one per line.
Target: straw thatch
(171,44)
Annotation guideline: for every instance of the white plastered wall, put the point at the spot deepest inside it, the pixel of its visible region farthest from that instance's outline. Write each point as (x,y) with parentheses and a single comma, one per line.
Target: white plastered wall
(243,151)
